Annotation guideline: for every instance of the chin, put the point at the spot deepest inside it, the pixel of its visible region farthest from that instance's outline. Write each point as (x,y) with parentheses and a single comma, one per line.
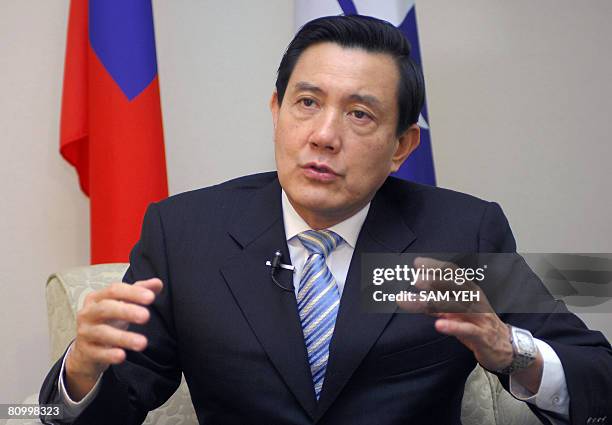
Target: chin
(319,203)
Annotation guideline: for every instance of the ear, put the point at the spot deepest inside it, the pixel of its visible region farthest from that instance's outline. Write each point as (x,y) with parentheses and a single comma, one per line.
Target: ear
(408,141)
(274,108)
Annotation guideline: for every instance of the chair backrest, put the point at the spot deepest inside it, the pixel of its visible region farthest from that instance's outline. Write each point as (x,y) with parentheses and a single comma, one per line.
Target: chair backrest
(484,401)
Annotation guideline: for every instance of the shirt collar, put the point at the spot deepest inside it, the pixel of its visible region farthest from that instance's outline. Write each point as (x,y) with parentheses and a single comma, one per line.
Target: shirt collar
(348,229)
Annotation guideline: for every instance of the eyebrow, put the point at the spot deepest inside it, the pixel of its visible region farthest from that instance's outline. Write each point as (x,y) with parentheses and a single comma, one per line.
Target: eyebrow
(304,86)
(367,99)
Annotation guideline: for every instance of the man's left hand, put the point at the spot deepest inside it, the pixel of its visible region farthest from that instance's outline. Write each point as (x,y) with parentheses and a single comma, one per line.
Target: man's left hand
(474,324)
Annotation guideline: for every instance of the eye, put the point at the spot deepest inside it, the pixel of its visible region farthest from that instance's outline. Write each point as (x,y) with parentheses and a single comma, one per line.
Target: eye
(307,102)
(361,115)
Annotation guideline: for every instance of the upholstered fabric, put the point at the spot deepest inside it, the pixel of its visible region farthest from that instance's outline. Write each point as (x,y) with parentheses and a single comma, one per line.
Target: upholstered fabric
(66,293)
(485,401)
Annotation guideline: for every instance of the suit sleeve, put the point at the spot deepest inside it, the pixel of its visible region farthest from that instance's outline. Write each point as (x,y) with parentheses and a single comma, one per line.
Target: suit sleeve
(145,380)
(585,354)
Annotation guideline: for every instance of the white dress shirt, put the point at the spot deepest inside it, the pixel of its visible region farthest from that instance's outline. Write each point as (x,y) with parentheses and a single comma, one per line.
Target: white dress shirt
(552,395)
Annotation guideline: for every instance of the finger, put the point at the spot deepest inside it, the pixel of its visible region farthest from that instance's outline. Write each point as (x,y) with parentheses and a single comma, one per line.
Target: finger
(432,284)
(153,284)
(434,306)
(434,274)
(429,262)
(477,318)
(137,294)
(444,297)
(108,336)
(101,354)
(457,328)
(449,315)
(433,302)
(112,310)
(449,307)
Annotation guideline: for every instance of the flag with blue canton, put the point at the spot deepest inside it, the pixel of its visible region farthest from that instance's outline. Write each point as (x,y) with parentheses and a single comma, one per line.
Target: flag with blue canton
(419,166)
(111,125)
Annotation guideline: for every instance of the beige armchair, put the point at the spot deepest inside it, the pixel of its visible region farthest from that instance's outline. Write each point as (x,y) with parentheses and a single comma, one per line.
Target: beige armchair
(485,401)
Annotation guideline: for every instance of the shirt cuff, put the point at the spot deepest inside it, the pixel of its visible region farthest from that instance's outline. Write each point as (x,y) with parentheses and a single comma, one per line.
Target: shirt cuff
(74,408)
(552,394)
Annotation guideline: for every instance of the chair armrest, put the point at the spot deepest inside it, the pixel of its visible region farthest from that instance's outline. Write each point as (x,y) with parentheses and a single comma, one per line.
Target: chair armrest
(31,399)
(485,401)
(65,293)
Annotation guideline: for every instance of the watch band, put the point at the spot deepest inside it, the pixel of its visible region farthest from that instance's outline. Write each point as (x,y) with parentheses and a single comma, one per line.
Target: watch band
(522,358)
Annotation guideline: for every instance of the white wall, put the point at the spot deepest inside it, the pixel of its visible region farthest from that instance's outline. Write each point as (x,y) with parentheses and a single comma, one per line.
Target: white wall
(216,123)
(519,98)
(43,217)
(217,67)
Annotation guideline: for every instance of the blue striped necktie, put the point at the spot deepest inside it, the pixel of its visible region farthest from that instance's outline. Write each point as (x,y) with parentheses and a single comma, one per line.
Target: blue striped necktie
(318,301)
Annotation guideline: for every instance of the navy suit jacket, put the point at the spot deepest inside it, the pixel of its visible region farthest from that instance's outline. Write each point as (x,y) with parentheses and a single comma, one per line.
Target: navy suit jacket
(237,337)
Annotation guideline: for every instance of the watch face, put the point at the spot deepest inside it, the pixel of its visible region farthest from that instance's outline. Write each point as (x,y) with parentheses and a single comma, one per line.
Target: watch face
(524,341)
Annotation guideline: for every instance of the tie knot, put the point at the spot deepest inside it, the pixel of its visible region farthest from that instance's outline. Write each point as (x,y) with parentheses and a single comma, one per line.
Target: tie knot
(320,241)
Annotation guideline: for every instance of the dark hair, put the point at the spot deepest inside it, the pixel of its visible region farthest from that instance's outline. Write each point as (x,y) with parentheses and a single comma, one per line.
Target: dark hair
(372,35)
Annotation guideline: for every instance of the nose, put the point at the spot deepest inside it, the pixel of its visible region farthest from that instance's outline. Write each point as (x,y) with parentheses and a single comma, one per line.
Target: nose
(326,132)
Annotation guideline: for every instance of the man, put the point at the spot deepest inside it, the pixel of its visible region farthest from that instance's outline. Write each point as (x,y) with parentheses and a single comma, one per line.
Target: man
(256,349)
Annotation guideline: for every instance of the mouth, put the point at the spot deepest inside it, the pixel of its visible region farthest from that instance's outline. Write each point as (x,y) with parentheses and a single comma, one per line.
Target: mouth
(319,171)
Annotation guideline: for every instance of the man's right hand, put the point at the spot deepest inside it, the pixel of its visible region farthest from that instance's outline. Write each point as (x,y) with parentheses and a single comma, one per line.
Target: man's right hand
(102,337)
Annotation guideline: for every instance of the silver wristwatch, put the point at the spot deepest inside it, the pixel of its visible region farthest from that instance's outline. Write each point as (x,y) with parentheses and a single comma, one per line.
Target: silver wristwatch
(524,349)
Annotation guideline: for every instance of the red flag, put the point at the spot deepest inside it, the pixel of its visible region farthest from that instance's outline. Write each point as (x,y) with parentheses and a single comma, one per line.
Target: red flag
(111,123)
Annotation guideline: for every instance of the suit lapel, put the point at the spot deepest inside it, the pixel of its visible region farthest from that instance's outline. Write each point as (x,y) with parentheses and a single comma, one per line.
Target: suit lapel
(270,311)
(355,332)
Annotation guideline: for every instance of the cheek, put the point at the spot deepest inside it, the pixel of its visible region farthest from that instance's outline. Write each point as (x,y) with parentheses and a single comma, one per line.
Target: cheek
(286,135)
(371,164)
(280,142)
(285,149)
(374,157)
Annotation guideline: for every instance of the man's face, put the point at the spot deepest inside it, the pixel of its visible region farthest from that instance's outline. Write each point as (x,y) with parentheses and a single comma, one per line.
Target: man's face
(335,132)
